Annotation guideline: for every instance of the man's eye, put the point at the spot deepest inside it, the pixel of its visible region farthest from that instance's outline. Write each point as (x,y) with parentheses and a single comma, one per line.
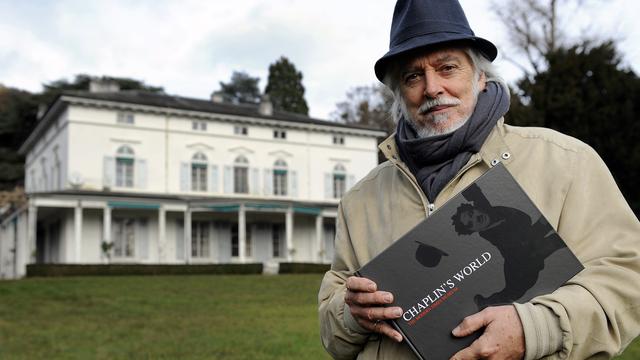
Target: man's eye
(411,78)
(448,68)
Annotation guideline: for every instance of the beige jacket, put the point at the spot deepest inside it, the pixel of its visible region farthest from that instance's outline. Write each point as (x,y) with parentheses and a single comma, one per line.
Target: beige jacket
(595,315)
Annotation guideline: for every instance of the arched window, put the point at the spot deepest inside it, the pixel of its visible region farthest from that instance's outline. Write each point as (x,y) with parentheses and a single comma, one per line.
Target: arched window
(241,175)
(124,166)
(280,178)
(199,172)
(339,181)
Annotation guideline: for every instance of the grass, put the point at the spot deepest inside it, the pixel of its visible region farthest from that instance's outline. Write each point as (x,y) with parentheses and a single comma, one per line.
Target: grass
(165,317)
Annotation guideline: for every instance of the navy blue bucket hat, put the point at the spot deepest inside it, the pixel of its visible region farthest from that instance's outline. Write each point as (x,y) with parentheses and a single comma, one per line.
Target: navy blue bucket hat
(421,23)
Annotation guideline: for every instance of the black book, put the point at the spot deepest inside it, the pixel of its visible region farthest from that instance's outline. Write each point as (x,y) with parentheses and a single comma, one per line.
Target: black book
(488,245)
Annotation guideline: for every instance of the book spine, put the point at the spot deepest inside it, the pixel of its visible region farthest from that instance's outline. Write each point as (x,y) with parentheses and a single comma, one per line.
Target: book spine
(407,340)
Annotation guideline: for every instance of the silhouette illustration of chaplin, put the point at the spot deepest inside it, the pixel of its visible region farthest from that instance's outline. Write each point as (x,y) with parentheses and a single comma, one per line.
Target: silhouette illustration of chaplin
(523,245)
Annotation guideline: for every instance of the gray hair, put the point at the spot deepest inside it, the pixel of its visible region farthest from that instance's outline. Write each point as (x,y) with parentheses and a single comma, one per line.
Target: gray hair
(480,65)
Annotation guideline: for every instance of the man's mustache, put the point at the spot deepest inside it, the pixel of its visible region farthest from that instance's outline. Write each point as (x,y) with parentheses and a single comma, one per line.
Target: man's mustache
(431,103)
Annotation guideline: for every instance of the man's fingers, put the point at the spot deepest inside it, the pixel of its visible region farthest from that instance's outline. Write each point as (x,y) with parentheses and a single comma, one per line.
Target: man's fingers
(383,328)
(360,284)
(479,349)
(472,323)
(375,313)
(365,298)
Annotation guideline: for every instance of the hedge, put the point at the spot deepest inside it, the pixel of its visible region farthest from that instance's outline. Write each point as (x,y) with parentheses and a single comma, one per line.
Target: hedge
(139,269)
(303,268)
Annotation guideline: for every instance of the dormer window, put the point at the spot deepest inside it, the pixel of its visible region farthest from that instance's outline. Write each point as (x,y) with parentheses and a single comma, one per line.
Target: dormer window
(240,130)
(279,134)
(125,118)
(338,139)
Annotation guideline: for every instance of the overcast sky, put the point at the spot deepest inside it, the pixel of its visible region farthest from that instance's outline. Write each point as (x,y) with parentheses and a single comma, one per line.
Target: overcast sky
(189,46)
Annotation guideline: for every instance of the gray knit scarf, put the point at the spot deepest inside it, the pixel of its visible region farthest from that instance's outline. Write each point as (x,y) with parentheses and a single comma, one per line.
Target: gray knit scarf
(435,160)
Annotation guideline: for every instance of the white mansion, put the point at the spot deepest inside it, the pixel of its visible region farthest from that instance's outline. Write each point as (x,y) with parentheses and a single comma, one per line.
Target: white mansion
(134,177)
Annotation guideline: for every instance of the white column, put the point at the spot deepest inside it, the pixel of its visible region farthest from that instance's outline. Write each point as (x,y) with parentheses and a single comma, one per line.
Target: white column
(288,228)
(319,242)
(162,233)
(106,225)
(187,236)
(242,233)
(28,253)
(77,232)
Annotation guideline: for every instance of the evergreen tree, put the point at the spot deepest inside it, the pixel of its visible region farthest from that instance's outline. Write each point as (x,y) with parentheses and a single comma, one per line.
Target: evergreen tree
(285,88)
(586,93)
(241,89)
(18,111)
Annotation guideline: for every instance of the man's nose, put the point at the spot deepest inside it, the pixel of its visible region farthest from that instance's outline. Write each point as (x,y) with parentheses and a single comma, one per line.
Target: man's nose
(433,85)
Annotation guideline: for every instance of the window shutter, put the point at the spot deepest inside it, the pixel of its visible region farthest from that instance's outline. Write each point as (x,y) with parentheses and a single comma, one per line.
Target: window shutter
(109,171)
(213,179)
(328,186)
(351,180)
(254,185)
(140,173)
(180,239)
(293,183)
(228,180)
(268,182)
(142,239)
(185,176)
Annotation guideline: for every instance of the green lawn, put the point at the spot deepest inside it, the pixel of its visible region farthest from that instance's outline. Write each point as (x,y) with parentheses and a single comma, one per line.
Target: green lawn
(164,317)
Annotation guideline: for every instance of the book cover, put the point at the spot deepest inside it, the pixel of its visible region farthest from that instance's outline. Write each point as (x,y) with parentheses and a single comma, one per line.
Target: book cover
(488,245)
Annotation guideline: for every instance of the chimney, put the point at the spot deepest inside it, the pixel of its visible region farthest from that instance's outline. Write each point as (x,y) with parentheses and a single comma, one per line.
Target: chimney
(217,98)
(42,109)
(266,107)
(102,85)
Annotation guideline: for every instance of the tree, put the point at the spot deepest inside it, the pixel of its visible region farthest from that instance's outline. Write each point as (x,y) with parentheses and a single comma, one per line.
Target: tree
(368,106)
(535,28)
(241,89)
(18,112)
(586,93)
(285,88)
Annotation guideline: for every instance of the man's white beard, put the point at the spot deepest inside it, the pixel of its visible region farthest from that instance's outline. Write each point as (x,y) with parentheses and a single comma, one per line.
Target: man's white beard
(427,129)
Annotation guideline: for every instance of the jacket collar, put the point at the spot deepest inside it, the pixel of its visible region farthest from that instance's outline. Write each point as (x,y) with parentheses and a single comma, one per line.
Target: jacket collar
(493,150)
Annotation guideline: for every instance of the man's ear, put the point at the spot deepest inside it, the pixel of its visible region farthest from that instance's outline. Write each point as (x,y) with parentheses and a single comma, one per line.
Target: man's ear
(482,81)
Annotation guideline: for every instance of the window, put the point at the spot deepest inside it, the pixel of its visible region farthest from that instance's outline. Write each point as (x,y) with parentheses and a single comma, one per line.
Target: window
(124,238)
(339,181)
(279,134)
(235,242)
(199,172)
(200,239)
(199,125)
(240,130)
(338,139)
(125,118)
(280,178)
(277,240)
(124,166)
(241,175)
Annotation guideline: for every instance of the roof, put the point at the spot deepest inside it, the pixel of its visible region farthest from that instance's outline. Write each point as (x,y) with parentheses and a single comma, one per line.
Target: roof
(166,102)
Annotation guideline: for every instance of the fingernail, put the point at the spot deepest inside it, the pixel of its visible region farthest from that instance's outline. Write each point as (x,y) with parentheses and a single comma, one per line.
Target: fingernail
(398,338)
(456,331)
(372,287)
(388,298)
(397,312)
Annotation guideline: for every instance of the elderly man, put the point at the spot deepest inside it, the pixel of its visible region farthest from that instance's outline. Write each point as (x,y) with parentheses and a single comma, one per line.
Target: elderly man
(449,105)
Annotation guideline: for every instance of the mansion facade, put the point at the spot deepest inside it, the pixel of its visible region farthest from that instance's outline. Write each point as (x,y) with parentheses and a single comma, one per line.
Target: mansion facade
(135,177)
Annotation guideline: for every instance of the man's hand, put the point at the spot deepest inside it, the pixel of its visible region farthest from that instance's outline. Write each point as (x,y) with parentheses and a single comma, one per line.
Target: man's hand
(366,305)
(503,336)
